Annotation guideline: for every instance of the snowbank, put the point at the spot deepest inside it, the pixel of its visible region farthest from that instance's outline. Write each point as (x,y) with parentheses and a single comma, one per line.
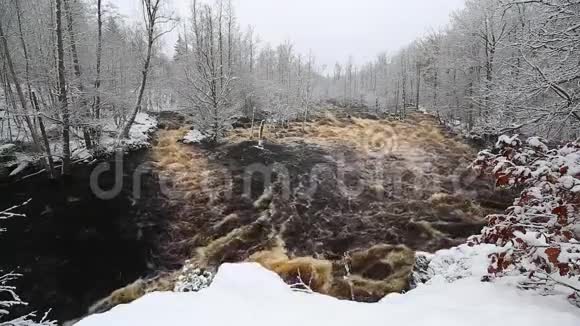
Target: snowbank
(247,294)
(139,137)
(194,137)
(139,134)
(141,130)
(456,263)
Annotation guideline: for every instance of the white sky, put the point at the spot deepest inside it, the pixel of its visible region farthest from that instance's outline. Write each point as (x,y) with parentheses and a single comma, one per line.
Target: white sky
(332,29)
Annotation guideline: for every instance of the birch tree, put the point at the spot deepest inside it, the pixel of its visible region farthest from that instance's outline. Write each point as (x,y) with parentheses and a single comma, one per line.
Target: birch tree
(62,92)
(207,85)
(500,66)
(152,18)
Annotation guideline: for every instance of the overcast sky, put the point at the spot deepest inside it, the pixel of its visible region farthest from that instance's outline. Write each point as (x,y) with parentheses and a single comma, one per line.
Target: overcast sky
(332,29)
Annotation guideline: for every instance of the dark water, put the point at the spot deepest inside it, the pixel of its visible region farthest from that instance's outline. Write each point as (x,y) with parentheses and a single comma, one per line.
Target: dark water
(74,248)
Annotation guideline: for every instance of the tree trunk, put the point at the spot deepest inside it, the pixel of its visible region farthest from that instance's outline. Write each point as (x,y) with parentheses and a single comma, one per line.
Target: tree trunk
(397,96)
(435,88)
(4,79)
(97,105)
(62,95)
(49,160)
(253,119)
(305,111)
(23,44)
(230,23)
(151,21)
(18,87)
(78,74)
(221,46)
(418,85)
(144,75)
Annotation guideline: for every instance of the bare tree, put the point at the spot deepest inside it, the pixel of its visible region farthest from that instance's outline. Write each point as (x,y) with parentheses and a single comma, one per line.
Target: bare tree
(32,95)
(97,103)
(17,85)
(78,74)
(152,18)
(207,85)
(62,94)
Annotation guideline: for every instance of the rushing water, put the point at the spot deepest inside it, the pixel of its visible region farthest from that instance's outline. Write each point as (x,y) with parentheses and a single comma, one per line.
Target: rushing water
(74,248)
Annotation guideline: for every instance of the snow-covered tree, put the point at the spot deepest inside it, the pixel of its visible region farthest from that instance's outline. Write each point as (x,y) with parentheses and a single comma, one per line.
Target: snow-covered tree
(207,83)
(228,74)
(153,18)
(500,66)
(64,90)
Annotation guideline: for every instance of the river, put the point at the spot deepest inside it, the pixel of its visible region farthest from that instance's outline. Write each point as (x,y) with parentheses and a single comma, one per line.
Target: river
(74,248)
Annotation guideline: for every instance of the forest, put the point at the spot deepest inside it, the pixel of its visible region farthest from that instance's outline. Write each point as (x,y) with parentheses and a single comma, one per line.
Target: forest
(132,167)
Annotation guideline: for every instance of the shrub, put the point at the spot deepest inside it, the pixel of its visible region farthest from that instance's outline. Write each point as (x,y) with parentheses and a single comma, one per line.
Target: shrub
(192,279)
(540,233)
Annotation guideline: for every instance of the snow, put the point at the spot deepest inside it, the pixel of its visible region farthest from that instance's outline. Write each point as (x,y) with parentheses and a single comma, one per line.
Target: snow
(139,136)
(21,167)
(194,137)
(537,143)
(141,130)
(460,262)
(192,279)
(247,294)
(568,182)
(7,148)
(505,139)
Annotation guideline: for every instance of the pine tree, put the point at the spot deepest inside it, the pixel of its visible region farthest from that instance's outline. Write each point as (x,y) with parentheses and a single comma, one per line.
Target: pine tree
(180,49)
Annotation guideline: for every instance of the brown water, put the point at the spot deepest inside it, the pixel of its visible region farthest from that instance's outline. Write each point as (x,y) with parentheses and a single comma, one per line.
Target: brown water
(327,190)
(315,201)
(74,248)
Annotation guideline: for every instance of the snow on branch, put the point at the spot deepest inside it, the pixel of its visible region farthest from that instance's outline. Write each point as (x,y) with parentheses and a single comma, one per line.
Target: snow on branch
(11,300)
(8,296)
(192,279)
(9,212)
(540,233)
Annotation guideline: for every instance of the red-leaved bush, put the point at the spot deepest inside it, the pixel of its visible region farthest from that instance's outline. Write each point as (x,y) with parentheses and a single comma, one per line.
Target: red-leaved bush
(539,235)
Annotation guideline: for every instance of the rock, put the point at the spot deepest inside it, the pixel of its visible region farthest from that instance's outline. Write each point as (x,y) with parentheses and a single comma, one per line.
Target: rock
(124,295)
(192,279)
(162,282)
(7,149)
(242,122)
(7,153)
(194,137)
(421,272)
(265,199)
(21,167)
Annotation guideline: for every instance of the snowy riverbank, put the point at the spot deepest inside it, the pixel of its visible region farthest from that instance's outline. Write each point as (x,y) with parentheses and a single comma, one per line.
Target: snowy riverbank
(14,160)
(247,294)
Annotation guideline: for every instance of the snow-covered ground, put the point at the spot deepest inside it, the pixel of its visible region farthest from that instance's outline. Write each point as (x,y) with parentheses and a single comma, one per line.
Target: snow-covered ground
(194,137)
(456,263)
(139,137)
(247,294)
